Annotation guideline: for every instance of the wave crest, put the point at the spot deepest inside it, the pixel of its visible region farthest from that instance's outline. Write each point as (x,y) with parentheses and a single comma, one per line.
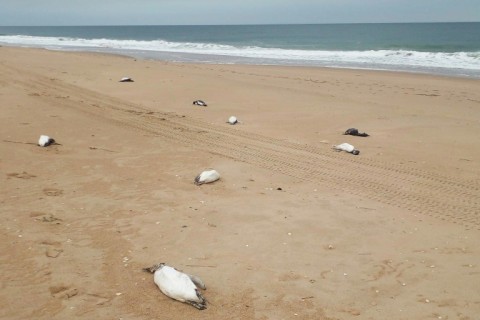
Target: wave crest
(407,58)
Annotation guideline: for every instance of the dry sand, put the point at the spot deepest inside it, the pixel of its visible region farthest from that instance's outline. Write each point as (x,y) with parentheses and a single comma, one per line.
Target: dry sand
(390,234)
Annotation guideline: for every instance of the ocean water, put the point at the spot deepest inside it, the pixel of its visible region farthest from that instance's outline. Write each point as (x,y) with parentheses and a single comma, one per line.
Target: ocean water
(436,48)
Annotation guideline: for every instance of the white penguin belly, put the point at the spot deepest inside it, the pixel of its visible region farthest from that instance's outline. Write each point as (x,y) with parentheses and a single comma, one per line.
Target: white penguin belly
(175,284)
(345,147)
(207,177)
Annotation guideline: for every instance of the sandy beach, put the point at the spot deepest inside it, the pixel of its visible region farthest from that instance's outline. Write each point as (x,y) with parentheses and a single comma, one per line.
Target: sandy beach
(292,230)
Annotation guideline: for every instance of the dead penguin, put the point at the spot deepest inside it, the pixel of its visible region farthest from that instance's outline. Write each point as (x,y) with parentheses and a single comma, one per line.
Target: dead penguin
(232,120)
(178,285)
(126,79)
(347,148)
(354,132)
(45,141)
(200,103)
(207,176)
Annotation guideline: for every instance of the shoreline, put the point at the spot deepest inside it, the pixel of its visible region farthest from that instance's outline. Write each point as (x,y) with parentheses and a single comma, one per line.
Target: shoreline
(291,230)
(148,57)
(202,58)
(300,65)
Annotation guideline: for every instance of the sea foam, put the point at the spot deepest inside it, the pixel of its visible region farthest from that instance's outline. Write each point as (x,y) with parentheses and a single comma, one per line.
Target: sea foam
(396,59)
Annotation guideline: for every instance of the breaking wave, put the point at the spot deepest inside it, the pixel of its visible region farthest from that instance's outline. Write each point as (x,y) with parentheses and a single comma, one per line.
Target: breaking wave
(368,58)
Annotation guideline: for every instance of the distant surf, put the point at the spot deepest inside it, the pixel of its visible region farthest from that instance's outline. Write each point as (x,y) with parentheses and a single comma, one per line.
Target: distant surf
(439,53)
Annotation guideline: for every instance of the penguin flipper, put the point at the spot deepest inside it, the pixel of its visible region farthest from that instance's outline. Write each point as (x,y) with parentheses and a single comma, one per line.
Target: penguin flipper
(197,281)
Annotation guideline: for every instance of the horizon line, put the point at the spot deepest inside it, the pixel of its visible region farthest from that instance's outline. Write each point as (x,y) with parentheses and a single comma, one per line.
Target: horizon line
(247,24)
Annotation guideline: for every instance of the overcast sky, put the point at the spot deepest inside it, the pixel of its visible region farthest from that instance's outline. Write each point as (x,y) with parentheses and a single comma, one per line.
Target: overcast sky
(175,12)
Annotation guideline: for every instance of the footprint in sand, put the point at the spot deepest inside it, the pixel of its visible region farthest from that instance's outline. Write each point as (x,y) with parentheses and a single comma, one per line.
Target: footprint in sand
(63,292)
(53,252)
(99,299)
(52,192)
(53,249)
(23,175)
(52,219)
(289,276)
(46,217)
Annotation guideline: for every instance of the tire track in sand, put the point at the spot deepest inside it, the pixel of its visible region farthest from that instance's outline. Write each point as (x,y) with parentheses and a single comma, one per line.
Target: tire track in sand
(448,198)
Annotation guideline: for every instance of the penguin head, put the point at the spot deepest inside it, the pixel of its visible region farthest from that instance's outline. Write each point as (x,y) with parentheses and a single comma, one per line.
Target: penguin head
(155,267)
(351,131)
